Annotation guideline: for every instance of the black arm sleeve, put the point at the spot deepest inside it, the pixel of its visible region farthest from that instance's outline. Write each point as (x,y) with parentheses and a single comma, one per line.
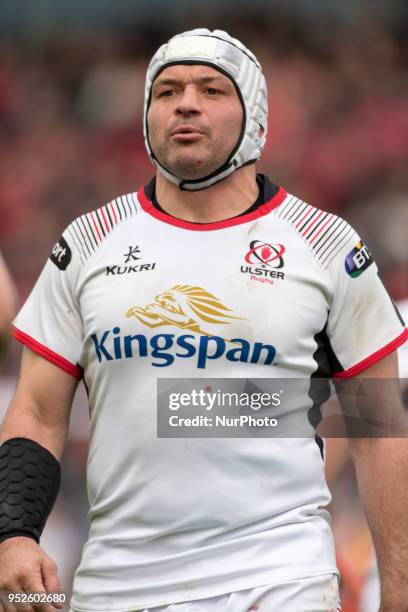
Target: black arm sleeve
(30,478)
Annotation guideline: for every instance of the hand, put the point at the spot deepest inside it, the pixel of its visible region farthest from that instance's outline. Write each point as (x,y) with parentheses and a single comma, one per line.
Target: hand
(25,567)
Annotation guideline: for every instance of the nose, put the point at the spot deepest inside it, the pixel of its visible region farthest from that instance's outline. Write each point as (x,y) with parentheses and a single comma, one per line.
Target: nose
(188,102)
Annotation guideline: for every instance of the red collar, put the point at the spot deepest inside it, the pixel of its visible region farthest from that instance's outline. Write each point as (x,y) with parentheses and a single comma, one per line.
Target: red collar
(264,209)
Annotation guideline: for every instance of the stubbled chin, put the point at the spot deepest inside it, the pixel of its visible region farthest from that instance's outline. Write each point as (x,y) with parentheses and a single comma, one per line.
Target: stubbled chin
(191,167)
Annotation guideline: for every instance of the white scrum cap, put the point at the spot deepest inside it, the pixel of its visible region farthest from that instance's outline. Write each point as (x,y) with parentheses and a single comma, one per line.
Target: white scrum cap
(222,52)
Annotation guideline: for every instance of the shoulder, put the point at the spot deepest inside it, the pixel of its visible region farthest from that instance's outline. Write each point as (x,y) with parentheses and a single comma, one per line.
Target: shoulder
(325,233)
(89,231)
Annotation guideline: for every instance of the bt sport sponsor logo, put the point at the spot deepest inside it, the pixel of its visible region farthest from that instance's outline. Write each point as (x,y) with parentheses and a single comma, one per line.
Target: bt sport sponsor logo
(61,254)
(358,260)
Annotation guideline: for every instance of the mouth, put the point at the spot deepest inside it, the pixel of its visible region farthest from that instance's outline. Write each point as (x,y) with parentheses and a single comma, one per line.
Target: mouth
(186,133)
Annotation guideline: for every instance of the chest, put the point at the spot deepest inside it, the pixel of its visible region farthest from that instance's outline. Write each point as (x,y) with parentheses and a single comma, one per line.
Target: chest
(239,290)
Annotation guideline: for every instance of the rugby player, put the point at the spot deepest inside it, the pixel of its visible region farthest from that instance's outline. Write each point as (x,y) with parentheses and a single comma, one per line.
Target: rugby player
(210,270)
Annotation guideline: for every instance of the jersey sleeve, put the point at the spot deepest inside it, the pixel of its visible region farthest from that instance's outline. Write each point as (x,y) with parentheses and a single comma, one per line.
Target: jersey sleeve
(364,324)
(50,322)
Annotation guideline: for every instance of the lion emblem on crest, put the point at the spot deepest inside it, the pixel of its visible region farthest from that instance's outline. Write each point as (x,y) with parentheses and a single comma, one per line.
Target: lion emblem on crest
(185,306)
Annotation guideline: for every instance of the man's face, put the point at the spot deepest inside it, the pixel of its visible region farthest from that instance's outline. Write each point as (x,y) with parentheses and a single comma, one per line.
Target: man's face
(194,119)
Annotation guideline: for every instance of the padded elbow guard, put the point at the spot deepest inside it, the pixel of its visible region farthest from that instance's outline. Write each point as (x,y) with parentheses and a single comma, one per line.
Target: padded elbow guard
(30,478)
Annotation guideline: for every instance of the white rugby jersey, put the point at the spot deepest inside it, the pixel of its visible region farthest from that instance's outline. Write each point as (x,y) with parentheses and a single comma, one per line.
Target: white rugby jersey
(131,294)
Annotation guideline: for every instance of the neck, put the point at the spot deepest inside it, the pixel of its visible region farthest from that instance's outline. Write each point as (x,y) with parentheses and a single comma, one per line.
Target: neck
(224,200)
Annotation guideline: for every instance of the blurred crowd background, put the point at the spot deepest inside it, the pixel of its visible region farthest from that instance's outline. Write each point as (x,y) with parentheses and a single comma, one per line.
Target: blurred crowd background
(71,99)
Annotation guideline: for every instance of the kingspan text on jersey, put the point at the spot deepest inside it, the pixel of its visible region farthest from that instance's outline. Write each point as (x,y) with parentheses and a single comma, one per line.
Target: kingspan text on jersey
(163,349)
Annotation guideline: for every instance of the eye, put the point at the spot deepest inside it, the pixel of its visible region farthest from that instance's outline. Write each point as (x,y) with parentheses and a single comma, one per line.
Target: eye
(212,91)
(167,93)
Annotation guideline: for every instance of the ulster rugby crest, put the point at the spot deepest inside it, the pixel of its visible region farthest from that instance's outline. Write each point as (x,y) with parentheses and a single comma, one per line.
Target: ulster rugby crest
(265,262)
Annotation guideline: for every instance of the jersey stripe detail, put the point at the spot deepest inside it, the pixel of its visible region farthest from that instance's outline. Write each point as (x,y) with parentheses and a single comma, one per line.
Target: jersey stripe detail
(90,230)
(135,201)
(129,204)
(47,353)
(88,225)
(97,215)
(74,237)
(316,226)
(108,214)
(298,211)
(326,236)
(113,212)
(304,217)
(337,248)
(326,249)
(312,223)
(327,221)
(324,232)
(83,241)
(288,204)
(95,224)
(368,361)
(108,228)
(331,230)
(122,208)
